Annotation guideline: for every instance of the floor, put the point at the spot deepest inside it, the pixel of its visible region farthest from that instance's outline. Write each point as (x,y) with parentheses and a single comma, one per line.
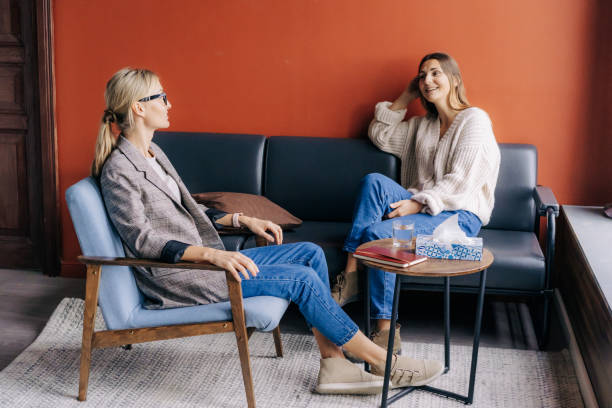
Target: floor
(27,299)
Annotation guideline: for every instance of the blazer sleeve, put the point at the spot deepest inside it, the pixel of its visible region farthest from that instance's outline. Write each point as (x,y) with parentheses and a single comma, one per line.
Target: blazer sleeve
(125,208)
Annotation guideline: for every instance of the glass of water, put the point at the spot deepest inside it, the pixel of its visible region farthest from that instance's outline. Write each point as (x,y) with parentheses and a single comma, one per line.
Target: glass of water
(402,234)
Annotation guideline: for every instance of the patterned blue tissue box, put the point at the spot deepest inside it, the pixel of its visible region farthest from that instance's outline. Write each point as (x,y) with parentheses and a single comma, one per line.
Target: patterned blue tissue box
(472,251)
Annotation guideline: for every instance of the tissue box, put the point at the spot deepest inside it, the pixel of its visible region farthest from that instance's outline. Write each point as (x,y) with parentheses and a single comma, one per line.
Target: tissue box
(432,248)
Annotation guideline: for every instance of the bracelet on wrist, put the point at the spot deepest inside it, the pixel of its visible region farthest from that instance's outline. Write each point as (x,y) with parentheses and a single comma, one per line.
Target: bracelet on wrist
(235,222)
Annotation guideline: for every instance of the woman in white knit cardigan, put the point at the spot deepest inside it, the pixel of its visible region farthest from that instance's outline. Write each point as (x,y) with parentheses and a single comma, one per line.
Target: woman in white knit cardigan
(450,162)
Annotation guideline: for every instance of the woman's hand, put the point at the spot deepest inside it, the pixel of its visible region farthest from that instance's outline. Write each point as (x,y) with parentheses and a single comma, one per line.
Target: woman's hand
(232,261)
(408,95)
(404,207)
(262,227)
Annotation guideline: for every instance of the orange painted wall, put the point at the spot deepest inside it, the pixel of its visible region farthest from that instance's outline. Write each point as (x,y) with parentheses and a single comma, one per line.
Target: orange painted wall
(316,68)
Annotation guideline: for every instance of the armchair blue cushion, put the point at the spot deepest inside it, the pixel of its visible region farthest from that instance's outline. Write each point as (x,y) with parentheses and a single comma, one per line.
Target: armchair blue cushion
(119,297)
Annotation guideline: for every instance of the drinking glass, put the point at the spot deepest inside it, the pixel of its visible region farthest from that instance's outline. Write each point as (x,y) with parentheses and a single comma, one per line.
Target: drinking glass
(402,234)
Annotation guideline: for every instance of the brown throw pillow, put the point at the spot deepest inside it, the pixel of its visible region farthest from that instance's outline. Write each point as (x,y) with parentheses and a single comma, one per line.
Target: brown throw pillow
(251,205)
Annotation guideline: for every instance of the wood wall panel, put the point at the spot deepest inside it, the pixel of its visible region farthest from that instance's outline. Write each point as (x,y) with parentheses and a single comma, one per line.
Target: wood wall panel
(12,184)
(11,88)
(28,230)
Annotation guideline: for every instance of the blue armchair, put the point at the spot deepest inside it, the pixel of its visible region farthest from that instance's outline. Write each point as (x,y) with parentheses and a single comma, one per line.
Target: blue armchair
(111,285)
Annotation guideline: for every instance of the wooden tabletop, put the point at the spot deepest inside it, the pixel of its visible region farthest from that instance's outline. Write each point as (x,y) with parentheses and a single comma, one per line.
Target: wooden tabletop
(431,267)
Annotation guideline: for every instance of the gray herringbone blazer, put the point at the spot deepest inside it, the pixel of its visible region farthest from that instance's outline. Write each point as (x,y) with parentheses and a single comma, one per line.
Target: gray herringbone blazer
(146,217)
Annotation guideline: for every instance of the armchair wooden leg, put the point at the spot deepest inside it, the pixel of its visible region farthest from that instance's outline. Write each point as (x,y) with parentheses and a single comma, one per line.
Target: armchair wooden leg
(242,339)
(89,317)
(277,342)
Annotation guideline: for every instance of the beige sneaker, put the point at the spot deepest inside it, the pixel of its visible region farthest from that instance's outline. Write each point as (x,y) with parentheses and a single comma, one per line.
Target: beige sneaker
(380,338)
(340,376)
(346,288)
(410,372)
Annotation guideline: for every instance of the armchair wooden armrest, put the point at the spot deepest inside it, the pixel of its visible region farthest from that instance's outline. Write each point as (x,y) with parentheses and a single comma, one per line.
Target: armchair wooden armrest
(150,263)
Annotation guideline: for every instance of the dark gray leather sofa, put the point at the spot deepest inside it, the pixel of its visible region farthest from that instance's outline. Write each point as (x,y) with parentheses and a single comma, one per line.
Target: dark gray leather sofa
(317,179)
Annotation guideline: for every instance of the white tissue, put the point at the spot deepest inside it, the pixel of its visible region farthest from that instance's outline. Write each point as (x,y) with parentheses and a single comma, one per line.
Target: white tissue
(450,232)
(448,241)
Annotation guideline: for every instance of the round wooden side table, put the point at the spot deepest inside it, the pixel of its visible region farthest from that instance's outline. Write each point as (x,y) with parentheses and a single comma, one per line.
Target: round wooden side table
(431,268)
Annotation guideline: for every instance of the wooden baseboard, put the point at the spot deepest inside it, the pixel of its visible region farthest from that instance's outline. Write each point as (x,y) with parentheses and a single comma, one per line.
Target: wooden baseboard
(586,389)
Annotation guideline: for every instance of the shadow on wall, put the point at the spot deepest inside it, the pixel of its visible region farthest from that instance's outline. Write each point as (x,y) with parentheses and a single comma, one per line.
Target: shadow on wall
(390,83)
(598,131)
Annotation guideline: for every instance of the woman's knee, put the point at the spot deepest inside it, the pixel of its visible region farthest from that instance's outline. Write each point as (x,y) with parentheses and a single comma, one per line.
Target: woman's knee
(311,248)
(307,275)
(372,179)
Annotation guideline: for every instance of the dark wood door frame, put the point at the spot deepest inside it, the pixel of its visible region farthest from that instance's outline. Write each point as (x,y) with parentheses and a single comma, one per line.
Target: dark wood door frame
(51,237)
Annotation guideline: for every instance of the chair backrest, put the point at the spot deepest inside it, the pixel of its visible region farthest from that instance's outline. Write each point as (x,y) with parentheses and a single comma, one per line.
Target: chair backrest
(119,296)
(514,203)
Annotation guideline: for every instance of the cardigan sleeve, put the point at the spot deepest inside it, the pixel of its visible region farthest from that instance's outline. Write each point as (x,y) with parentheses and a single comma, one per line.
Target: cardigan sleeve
(388,130)
(473,165)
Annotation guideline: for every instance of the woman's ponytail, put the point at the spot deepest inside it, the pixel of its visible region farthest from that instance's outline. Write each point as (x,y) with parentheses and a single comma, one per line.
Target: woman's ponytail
(105,142)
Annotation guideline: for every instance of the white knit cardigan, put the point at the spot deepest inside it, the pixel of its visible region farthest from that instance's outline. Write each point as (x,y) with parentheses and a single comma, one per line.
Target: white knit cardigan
(457,171)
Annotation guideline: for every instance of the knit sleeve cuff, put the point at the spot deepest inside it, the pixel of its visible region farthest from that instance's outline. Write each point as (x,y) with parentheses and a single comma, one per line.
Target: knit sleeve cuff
(173,251)
(383,114)
(433,205)
(214,214)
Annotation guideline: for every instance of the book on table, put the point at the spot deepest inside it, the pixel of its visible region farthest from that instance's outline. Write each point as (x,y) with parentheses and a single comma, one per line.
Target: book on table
(397,257)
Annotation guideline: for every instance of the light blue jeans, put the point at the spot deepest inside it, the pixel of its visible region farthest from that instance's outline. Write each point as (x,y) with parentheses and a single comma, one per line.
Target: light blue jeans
(298,272)
(376,194)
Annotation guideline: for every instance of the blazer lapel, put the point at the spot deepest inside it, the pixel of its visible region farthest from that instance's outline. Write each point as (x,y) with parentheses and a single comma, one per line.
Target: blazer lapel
(139,161)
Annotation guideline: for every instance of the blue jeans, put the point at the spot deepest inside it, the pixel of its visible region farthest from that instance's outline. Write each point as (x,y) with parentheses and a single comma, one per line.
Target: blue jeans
(298,272)
(376,193)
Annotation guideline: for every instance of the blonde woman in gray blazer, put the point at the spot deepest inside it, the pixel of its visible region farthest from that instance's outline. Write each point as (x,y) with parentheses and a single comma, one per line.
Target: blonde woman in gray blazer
(157,218)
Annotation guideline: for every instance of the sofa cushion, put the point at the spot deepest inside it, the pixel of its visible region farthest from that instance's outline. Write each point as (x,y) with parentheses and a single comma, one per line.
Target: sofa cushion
(328,235)
(317,179)
(251,205)
(514,204)
(519,263)
(216,162)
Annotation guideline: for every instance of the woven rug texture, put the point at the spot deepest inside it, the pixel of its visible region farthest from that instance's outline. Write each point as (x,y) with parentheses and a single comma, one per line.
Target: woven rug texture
(204,371)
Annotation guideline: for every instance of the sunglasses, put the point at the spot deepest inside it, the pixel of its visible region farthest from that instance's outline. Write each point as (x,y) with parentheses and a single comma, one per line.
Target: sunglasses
(159,95)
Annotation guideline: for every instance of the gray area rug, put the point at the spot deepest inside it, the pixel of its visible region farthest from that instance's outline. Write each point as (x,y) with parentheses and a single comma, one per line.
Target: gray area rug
(205,371)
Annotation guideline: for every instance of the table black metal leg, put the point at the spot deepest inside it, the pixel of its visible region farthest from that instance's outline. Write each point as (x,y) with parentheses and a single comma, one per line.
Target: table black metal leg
(481,293)
(446,324)
(479,308)
(366,302)
(398,284)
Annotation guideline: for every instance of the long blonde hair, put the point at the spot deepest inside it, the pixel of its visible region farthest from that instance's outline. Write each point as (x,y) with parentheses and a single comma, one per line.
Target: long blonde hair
(457,98)
(127,86)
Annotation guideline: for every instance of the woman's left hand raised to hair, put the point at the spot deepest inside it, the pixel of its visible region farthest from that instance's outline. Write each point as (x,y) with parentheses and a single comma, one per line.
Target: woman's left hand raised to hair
(267,229)
(404,207)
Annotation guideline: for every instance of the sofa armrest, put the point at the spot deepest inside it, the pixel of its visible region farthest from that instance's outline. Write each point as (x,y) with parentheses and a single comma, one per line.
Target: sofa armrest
(547,205)
(545,200)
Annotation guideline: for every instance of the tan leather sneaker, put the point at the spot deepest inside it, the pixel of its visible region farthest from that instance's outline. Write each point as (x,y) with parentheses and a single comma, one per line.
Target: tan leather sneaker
(410,372)
(346,288)
(340,376)
(380,338)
